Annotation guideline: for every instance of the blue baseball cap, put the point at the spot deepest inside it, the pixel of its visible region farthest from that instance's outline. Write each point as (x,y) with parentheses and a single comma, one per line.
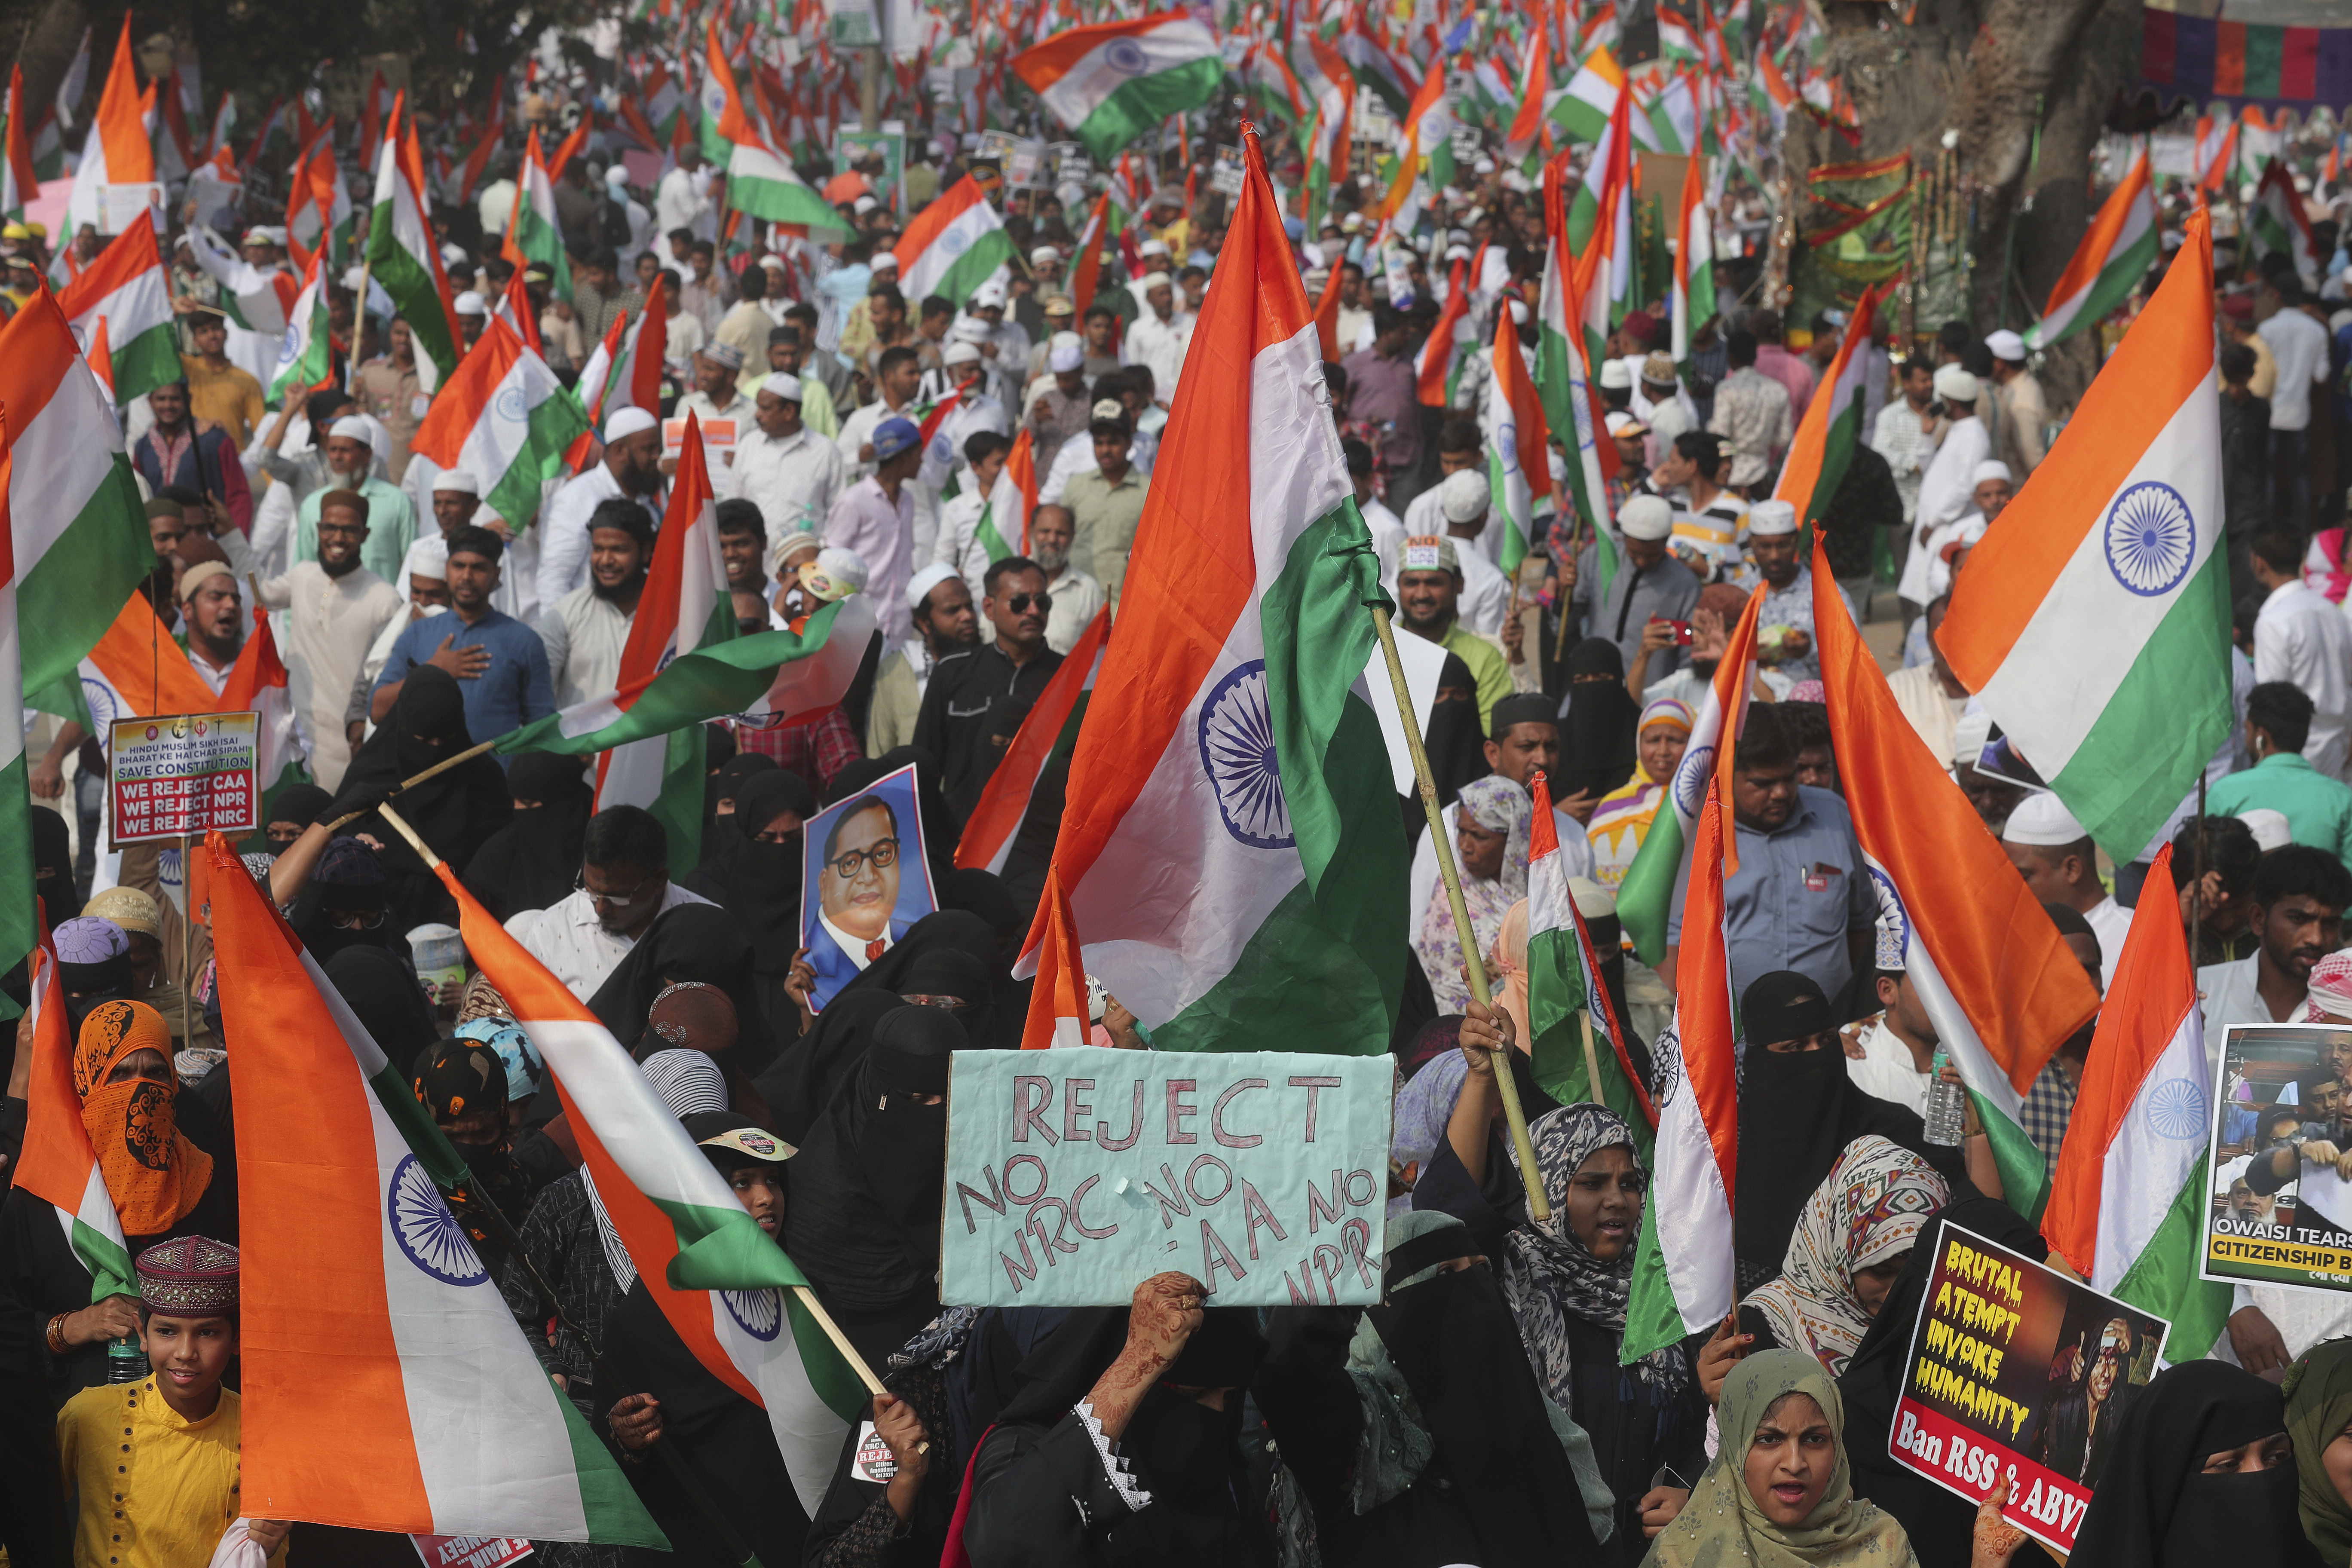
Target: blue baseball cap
(893,436)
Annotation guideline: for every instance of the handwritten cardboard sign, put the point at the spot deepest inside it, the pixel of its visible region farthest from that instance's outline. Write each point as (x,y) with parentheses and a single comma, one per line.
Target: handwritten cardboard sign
(2018,1372)
(1075,1174)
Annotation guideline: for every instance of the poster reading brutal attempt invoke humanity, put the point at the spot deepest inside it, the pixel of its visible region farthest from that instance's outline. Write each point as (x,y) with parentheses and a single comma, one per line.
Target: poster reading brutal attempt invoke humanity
(2019,1374)
(2279,1211)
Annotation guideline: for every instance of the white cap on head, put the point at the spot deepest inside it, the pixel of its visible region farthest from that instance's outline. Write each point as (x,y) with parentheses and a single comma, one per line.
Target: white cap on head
(2042,818)
(1152,247)
(1066,352)
(1646,517)
(1969,733)
(784,385)
(616,177)
(1616,374)
(628,422)
(1771,519)
(773,263)
(1991,469)
(1152,281)
(456,481)
(428,557)
(1954,384)
(2269,827)
(961,352)
(971,329)
(1044,255)
(469,304)
(2006,345)
(888,258)
(1465,496)
(350,427)
(924,581)
(835,574)
(989,296)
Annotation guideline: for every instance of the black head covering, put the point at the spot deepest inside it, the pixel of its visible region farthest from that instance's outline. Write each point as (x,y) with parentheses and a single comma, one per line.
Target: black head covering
(459,1077)
(983,893)
(376,985)
(297,803)
(349,880)
(807,1071)
(759,884)
(690,942)
(1598,738)
(1456,752)
(455,812)
(852,778)
(53,868)
(940,827)
(530,863)
(726,782)
(1783,1005)
(2155,1508)
(951,972)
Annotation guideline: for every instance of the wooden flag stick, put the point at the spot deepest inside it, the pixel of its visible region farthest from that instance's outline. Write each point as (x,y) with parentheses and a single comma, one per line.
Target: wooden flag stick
(1592,1056)
(1538,1208)
(442,766)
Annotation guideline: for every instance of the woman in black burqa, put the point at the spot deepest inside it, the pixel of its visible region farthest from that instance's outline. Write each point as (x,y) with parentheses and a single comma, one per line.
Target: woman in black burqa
(752,868)
(533,861)
(455,813)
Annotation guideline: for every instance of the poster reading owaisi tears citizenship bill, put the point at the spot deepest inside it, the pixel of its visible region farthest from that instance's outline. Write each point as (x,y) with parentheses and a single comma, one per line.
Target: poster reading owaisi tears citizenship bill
(1075,1174)
(2017,1373)
(2279,1211)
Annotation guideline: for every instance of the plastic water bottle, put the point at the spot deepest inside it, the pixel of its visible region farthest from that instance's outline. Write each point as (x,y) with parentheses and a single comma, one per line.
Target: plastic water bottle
(1947,1106)
(125,1361)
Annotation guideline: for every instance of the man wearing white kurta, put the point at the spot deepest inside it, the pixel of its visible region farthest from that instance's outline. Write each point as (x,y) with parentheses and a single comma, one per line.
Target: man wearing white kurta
(2302,638)
(331,619)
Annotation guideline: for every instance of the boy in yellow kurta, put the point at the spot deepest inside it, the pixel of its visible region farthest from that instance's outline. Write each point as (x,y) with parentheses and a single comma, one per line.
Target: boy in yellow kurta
(151,1467)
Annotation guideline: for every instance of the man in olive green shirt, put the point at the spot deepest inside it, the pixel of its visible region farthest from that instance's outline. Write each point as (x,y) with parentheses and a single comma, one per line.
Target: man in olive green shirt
(2318,808)
(1429,592)
(1107,504)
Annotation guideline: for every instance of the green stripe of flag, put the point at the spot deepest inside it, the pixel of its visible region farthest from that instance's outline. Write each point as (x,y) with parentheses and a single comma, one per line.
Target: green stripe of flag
(2163,1279)
(77,588)
(538,241)
(608,1503)
(17,931)
(147,361)
(1645,899)
(552,426)
(678,807)
(990,539)
(414,296)
(1653,1319)
(110,1273)
(2117,279)
(989,251)
(1146,103)
(829,1374)
(1556,1003)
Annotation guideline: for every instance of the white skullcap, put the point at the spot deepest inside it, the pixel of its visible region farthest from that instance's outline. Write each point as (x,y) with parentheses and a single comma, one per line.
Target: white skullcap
(971,329)
(2042,818)
(1457,253)
(1646,517)
(1771,519)
(863,206)
(1616,374)
(469,304)
(1463,496)
(2006,345)
(989,295)
(888,258)
(783,385)
(1044,254)
(2269,827)
(960,352)
(628,422)
(1991,469)
(1969,734)
(1954,383)
(350,426)
(923,581)
(458,481)
(1152,281)
(1064,352)
(616,178)
(1157,247)
(428,557)
(773,263)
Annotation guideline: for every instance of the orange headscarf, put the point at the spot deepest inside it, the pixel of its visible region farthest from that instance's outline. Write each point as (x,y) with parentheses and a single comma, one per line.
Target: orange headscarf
(152,1173)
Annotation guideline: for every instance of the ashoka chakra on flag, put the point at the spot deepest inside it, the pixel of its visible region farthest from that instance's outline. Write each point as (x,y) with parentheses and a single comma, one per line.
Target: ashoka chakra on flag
(2151,538)
(1238,754)
(426,1231)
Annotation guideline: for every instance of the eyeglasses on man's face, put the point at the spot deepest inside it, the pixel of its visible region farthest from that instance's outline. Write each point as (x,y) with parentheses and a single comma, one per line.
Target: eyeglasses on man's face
(883,856)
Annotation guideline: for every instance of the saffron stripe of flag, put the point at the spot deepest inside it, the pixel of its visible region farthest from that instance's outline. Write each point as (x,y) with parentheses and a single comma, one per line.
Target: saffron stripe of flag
(127,289)
(1004,526)
(506,419)
(1058,1011)
(1693,302)
(58,1165)
(1051,729)
(1433,380)
(1518,449)
(1826,436)
(2115,253)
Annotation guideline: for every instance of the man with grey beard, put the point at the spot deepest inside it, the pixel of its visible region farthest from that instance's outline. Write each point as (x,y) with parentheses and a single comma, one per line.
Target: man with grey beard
(1077,597)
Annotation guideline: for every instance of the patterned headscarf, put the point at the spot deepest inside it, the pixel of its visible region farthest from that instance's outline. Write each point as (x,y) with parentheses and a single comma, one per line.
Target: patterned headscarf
(1549,1274)
(687,1081)
(1498,806)
(1869,1210)
(2330,993)
(1423,1106)
(525,1070)
(152,1173)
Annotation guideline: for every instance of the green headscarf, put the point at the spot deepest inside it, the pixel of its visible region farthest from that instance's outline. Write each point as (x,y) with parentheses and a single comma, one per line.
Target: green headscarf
(1721,1525)
(2318,1408)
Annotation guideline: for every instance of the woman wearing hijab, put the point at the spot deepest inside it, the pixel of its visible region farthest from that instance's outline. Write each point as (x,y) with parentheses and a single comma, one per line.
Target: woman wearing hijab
(345,902)
(725,786)
(463,1084)
(866,1184)
(530,862)
(2318,1390)
(1778,1493)
(1492,830)
(752,868)
(1135,1417)
(693,1016)
(1423,1106)
(53,870)
(454,812)
(163,1183)
(688,941)
(1455,744)
(93,964)
(1622,818)
(2203,1472)
(381,990)
(1596,737)
(1849,1247)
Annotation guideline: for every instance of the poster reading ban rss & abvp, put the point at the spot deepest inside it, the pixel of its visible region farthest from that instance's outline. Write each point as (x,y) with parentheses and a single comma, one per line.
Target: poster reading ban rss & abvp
(1075,1174)
(2019,1374)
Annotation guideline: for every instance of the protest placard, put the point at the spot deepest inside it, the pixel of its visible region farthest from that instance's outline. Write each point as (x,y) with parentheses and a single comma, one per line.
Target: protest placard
(867,882)
(1230,173)
(1075,1174)
(469,1550)
(2280,1208)
(185,774)
(2018,1372)
(853,148)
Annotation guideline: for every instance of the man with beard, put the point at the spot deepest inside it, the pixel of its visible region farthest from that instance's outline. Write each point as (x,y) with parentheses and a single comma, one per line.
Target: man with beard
(631,471)
(2084,1420)
(214,614)
(953,723)
(193,454)
(350,466)
(338,608)
(945,623)
(2296,913)
(585,630)
(499,663)
(1078,596)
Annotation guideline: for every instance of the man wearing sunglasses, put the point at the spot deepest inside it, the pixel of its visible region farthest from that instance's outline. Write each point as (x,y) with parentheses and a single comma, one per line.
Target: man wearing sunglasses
(953,722)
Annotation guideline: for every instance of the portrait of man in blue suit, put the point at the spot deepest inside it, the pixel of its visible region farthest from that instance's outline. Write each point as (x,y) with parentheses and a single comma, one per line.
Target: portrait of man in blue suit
(860,883)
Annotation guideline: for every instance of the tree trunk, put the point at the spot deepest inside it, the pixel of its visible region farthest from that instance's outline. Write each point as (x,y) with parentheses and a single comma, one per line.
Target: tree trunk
(46,51)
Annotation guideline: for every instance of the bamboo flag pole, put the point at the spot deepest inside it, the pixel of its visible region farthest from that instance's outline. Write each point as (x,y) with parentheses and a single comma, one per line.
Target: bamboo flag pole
(442,766)
(1538,1206)
(1592,1056)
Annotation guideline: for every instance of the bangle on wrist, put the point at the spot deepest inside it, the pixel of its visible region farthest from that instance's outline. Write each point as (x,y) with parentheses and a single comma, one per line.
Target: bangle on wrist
(58,1345)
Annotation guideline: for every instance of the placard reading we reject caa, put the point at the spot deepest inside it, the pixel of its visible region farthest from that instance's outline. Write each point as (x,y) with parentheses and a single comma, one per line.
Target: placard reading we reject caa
(1075,1174)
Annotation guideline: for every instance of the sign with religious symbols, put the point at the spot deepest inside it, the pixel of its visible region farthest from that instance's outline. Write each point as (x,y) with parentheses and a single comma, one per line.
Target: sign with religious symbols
(185,774)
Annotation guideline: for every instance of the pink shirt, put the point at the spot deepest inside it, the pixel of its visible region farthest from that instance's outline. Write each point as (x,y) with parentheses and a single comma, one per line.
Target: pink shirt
(1791,371)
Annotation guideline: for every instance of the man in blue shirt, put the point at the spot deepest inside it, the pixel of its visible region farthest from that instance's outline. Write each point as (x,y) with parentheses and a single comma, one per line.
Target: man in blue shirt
(500,664)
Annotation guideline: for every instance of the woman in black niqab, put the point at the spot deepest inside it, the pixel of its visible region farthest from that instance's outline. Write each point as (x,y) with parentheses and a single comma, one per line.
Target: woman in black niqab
(531,863)
(53,870)
(454,812)
(1598,738)
(759,883)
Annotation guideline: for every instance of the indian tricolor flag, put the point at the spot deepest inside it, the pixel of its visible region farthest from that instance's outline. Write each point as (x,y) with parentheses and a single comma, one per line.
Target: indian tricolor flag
(1230,846)
(1600,225)
(1568,1006)
(127,289)
(505,419)
(1329,145)
(19,182)
(1112,82)
(2093,619)
(625,371)
(1434,379)
(952,246)
(1004,526)
(2117,251)
(534,232)
(1683,1277)
(1691,299)
(58,1165)
(306,354)
(1058,1011)
(1645,898)
(732,1295)
(1585,109)
(1519,142)
(404,258)
(117,151)
(2276,222)
(1993,973)
(1826,436)
(760,179)
(1571,404)
(257,685)
(1050,730)
(420,1379)
(1426,132)
(1518,449)
(2128,1204)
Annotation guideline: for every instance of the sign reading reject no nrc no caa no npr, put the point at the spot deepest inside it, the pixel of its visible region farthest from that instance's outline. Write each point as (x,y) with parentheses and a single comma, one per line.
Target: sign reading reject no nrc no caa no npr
(1073,1175)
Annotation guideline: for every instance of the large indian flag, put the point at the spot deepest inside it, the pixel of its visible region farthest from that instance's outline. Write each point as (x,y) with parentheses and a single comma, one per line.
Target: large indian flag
(404,255)
(1568,1006)
(505,419)
(952,246)
(1830,432)
(2117,251)
(420,1379)
(1231,849)
(1112,82)
(2093,619)
(127,290)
